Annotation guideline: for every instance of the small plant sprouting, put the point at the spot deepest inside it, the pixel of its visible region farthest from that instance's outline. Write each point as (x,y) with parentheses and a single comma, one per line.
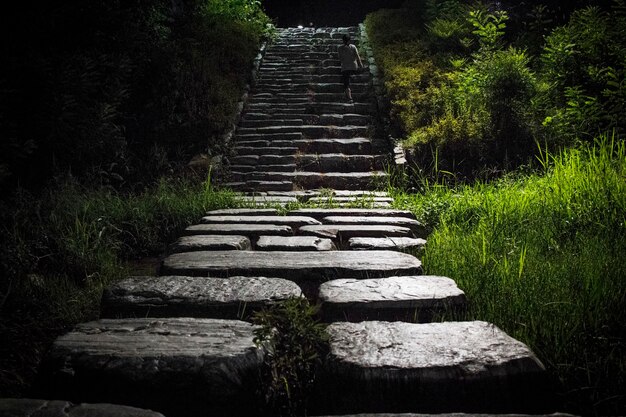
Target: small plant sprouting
(295,344)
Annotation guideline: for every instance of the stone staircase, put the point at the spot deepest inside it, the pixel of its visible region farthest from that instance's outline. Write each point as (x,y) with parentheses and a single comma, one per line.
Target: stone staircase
(182,344)
(297,131)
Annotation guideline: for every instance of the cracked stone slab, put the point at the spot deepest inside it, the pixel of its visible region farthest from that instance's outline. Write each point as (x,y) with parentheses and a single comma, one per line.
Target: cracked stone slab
(250,230)
(295,266)
(350,212)
(210,242)
(377,366)
(386,243)
(294,243)
(345,231)
(26,407)
(412,224)
(177,366)
(176,296)
(292,221)
(406,298)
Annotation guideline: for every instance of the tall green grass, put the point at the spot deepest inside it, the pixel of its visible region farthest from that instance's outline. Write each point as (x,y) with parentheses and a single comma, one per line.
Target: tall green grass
(543,257)
(59,250)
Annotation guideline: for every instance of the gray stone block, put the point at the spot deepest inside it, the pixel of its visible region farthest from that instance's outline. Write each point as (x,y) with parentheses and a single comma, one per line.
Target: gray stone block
(26,407)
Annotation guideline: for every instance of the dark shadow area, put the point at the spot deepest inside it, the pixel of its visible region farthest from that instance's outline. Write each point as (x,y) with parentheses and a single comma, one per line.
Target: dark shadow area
(323,12)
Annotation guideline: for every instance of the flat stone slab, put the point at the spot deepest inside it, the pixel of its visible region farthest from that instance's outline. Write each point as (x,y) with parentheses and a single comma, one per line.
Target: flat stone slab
(294,243)
(262,200)
(244,212)
(386,243)
(176,296)
(350,212)
(345,232)
(210,242)
(455,415)
(26,407)
(177,366)
(412,224)
(295,266)
(291,221)
(250,230)
(377,366)
(406,298)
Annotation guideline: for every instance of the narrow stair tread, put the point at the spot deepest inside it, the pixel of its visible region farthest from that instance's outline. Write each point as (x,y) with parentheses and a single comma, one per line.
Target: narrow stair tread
(385,243)
(294,243)
(211,242)
(245,229)
(319,214)
(292,221)
(346,231)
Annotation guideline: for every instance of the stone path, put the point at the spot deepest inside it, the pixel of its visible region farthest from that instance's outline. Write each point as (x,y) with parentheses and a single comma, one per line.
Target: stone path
(181,343)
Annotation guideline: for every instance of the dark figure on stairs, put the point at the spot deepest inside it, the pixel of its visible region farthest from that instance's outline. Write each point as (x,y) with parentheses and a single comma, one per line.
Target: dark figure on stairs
(350,63)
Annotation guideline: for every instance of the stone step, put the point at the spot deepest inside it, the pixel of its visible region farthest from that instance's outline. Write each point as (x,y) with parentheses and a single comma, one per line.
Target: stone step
(243,212)
(210,242)
(305,195)
(260,185)
(310,131)
(295,69)
(343,233)
(252,231)
(176,296)
(405,298)
(319,214)
(300,267)
(270,122)
(350,200)
(358,88)
(294,243)
(413,224)
(269,136)
(309,118)
(176,366)
(337,162)
(292,221)
(267,150)
(263,160)
(316,146)
(394,367)
(275,78)
(266,199)
(386,243)
(310,180)
(261,168)
(27,407)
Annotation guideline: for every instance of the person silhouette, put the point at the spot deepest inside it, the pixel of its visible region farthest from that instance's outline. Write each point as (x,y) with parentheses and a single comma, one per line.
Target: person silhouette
(350,63)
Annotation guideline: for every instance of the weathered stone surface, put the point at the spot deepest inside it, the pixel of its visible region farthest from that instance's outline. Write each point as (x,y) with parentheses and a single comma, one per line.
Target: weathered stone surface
(413,224)
(244,212)
(176,296)
(177,366)
(435,367)
(321,213)
(294,243)
(348,200)
(292,221)
(210,242)
(25,407)
(268,199)
(386,243)
(407,298)
(295,266)
(345,232)
(250,230)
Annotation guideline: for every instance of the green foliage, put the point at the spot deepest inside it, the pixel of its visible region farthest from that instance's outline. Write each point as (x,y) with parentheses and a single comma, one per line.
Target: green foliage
(540,256)
(295,345)
(584,65)
(488,27)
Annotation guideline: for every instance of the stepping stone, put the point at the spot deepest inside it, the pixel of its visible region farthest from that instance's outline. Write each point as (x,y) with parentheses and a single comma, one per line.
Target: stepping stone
(243,212)
(386,243)
(26,407)
(405,298)
(295,266)
(293,221)
(250,230)
(177,366)
(319,214)
(395,367)
(294,243)
(211,242)
(412,224)
(176,296)
(346,200)
(261,200)
(345,232)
